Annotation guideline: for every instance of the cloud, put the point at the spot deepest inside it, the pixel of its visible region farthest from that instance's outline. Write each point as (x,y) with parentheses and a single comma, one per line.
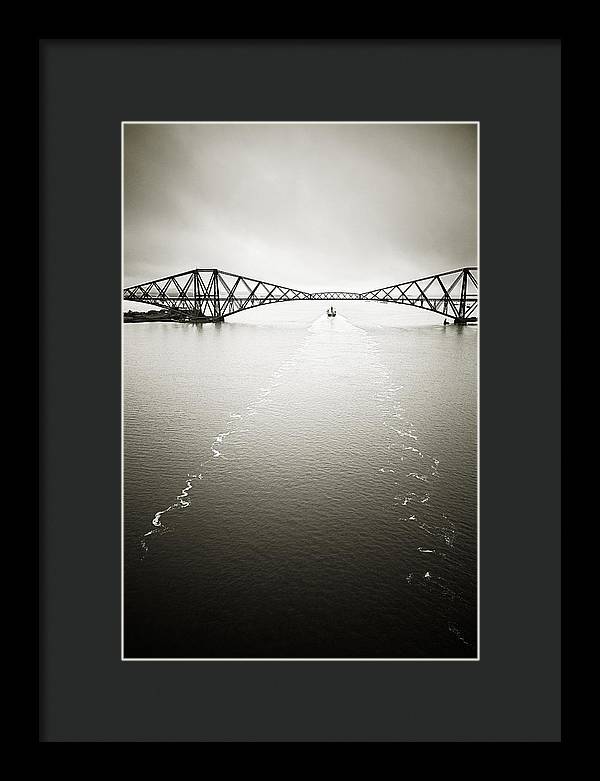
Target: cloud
(309,206)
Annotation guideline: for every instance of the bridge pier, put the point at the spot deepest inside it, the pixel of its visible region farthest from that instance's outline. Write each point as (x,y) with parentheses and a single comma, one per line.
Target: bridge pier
(464,320)
(202,319)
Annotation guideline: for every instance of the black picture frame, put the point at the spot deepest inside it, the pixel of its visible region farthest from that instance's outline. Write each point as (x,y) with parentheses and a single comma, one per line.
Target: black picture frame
(87,88)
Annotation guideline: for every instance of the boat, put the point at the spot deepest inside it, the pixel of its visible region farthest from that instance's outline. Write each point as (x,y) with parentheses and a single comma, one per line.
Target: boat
(331,312)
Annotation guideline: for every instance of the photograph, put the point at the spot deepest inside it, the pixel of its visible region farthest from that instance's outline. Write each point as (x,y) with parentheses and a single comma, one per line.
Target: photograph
(300,391)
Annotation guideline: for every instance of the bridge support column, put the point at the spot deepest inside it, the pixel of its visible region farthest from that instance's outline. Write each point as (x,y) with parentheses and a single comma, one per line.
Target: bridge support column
(202,319)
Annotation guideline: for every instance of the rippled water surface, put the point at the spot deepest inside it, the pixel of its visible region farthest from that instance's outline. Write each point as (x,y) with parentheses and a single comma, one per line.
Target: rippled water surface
(301,486)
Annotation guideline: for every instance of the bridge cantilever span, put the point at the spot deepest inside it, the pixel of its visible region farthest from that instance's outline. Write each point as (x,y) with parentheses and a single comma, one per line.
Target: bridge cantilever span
(210,295)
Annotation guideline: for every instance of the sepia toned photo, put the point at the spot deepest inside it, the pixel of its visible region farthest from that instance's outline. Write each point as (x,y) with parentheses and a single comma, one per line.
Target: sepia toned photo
(300,391)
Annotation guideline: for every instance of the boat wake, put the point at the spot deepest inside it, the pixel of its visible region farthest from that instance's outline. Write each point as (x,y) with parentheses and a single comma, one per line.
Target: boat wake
(234,427)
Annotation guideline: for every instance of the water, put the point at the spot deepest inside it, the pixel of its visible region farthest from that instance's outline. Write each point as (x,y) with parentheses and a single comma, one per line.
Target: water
(301,486)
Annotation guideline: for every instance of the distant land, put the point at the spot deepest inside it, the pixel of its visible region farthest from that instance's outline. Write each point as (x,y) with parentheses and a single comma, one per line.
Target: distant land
(155,316)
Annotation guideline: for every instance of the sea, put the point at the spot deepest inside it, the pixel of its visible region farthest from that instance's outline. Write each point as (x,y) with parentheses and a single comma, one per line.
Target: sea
(298,486)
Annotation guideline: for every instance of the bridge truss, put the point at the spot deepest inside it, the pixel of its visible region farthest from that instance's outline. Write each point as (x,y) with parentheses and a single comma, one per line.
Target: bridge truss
(210,295)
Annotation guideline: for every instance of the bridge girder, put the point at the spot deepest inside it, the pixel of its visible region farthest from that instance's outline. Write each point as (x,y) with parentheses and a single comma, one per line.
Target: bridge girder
(209,295)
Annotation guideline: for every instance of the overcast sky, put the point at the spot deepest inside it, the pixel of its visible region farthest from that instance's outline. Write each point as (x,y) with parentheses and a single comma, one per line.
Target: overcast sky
(315,207)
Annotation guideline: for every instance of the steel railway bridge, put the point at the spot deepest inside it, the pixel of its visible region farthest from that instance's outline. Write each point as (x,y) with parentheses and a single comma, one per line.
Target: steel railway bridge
(210,295)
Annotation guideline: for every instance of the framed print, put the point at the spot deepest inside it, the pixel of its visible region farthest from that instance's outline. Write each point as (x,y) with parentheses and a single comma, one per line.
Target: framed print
(321,457)
(288,449)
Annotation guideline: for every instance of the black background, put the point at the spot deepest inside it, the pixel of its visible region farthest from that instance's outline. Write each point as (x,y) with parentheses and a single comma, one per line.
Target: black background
(87,88)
